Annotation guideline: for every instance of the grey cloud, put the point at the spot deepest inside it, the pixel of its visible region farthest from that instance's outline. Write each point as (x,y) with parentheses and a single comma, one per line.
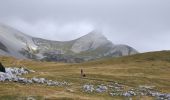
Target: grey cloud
(142,24)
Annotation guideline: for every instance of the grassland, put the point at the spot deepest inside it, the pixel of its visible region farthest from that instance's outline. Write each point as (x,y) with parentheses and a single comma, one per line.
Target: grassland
(151,69)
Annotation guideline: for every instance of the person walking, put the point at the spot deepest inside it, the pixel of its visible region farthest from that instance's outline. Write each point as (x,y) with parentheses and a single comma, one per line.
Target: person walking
(82,73)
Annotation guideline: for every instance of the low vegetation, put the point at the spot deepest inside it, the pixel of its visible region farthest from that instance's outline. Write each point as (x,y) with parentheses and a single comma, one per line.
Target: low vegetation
(149,69)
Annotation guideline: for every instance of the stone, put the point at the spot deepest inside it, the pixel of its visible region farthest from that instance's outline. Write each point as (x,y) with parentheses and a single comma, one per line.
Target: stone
(2,78)
(42,80)
(22,80)
(88,88)
(30,81)
(15,79)
(53,83)
(126,94)
(110,86)
(14,74)
(132,93)
(35,80)
(114,94)
(101,89)
(30,98)
(168,95)
(154,94)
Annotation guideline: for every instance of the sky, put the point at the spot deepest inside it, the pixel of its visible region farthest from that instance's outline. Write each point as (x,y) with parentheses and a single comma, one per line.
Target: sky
(141,24)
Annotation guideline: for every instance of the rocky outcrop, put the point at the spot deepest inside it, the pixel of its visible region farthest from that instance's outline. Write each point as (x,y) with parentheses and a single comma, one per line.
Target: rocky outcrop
(91,41)
(15,75)
(116,89)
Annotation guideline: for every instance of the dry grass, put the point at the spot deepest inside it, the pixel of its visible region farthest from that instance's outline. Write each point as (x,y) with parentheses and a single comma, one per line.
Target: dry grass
(143,69)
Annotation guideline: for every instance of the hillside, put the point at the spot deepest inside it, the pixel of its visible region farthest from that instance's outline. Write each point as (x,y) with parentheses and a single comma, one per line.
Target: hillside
(147,69)
(94,45)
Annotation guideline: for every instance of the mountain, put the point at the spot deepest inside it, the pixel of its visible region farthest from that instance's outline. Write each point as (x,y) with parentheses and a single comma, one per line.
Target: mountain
(13,42)
(91,46)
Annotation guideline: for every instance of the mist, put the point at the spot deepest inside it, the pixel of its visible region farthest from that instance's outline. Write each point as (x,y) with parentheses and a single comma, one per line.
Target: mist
(143,25)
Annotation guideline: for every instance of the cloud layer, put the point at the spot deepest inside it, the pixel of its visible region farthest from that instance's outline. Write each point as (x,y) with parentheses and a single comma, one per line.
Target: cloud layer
(142,24)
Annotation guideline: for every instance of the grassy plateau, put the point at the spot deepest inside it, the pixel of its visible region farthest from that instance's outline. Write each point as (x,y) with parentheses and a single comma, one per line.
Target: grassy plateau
(152,69)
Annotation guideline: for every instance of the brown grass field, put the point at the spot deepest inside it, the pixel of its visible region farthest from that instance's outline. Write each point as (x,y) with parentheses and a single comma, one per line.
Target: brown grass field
(151,69)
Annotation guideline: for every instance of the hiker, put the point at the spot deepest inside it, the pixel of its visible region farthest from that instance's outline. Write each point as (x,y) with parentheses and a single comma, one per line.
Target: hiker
(2,68)
(82,73)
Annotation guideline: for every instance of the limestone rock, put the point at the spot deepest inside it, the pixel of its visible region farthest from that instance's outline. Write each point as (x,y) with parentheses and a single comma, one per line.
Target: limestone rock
(101,88)
(88,88)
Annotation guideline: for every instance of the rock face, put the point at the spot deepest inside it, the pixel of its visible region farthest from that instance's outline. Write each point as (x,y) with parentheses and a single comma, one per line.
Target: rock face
(90,41)
(91,46)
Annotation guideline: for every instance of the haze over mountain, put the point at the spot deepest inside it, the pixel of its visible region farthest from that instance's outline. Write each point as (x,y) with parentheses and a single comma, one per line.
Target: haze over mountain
(142,24)
(91,46)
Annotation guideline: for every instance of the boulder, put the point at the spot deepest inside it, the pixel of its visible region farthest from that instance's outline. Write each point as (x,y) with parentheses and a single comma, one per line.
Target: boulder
(88,88)
(114,94)
(42,80)
(35,80)
(2,68)
(2,78)
(127,94)
(101,89)
(22,80)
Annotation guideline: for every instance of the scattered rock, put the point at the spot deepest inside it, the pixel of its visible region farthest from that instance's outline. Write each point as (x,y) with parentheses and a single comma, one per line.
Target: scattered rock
(2,78)
(14,75)
(126,94)
(129,93)
(30,98)
(101,88)
(18,71)
(119,90)
(88,88)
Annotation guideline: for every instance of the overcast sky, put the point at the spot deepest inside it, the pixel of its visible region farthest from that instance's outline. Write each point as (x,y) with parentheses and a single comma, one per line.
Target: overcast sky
(142,24)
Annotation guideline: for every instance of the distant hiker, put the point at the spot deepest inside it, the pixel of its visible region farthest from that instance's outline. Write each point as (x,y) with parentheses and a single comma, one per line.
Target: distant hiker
(82,73)
(2,68)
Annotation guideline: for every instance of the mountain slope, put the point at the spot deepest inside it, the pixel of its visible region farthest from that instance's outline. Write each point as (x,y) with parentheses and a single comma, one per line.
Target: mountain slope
(90,41)
(148,57)
(13,41)
(91,46)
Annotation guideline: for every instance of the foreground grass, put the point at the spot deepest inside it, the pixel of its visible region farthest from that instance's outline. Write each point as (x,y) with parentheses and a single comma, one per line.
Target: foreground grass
(144,69)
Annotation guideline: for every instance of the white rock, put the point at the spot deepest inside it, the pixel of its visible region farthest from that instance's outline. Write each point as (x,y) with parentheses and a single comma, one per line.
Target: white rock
(101,89)
(2,78)
(88,88)
(126,94)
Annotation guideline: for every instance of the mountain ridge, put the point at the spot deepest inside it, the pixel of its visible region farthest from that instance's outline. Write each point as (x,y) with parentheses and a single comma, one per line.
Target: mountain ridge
(93,45)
